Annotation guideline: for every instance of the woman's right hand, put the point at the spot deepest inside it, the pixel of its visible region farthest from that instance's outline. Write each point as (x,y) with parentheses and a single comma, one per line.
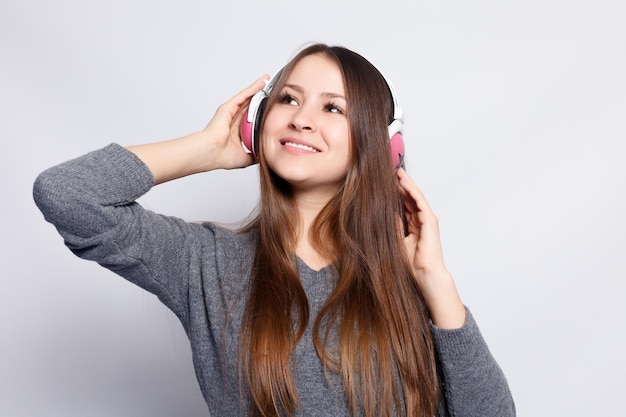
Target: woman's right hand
(223,129)
(217,146)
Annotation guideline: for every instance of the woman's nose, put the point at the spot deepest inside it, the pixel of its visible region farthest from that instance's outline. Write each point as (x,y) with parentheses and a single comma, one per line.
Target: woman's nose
(303,119)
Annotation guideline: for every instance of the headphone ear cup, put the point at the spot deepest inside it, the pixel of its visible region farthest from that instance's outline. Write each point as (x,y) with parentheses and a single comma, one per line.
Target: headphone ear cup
(256,129)
(396,144)
(245,132)
(250,122)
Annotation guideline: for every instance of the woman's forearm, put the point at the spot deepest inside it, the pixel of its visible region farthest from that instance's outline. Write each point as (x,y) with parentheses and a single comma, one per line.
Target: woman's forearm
(176,158)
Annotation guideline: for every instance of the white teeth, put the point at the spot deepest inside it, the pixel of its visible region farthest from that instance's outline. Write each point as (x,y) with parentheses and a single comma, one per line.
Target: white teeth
(298,145)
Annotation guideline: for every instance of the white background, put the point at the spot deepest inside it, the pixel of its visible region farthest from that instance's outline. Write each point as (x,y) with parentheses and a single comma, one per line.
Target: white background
(515,130)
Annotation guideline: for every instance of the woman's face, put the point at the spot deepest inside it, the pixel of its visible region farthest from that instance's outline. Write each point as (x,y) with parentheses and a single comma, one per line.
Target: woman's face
(306,138)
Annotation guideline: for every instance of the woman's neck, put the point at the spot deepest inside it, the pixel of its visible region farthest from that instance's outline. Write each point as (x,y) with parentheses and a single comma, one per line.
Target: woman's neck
(309,207)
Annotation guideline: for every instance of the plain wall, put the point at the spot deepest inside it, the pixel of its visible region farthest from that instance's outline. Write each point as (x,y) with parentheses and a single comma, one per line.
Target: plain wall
(515,130)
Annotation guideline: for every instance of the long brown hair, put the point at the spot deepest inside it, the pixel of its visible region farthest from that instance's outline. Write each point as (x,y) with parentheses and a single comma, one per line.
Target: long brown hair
(374,328)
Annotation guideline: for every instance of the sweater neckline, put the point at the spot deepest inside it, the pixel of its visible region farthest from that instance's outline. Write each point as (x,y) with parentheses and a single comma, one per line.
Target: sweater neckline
(304,267)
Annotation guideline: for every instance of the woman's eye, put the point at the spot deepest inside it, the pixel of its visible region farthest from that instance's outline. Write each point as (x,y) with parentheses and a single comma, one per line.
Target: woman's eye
(288,99)
(333,109)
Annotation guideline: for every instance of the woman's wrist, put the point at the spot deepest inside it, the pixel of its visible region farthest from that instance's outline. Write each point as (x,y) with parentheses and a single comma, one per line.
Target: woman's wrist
(443,301)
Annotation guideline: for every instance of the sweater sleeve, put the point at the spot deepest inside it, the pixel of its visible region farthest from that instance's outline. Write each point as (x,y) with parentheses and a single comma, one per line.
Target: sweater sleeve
(91,202)
(473,383)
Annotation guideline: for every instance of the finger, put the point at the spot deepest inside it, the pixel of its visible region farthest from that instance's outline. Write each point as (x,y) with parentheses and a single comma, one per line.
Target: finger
(408,203)
(234,105)
(409,186)
(250,90)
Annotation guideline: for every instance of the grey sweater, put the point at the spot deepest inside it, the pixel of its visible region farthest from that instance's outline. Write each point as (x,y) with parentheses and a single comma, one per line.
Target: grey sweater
(201,272)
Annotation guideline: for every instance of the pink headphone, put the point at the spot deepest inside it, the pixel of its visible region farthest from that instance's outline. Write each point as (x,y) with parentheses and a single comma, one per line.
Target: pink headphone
(249,128)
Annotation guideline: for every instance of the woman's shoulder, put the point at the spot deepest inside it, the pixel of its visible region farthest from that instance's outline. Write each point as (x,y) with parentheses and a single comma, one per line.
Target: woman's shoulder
(228,236)
(230,251)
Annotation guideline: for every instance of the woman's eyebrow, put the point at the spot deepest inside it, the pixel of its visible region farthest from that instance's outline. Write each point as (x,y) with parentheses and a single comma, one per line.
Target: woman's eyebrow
(300,89)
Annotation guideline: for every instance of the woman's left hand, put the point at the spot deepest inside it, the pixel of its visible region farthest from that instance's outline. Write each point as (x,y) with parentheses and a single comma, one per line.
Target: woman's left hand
(423,246)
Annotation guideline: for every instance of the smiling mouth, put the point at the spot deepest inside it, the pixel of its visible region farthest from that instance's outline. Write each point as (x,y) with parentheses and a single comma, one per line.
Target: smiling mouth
(299,146)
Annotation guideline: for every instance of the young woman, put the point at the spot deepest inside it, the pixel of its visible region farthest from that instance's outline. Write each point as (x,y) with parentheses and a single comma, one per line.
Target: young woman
(335,299)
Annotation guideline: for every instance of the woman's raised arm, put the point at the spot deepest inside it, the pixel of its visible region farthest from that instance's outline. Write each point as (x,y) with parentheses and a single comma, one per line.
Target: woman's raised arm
(217,146)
